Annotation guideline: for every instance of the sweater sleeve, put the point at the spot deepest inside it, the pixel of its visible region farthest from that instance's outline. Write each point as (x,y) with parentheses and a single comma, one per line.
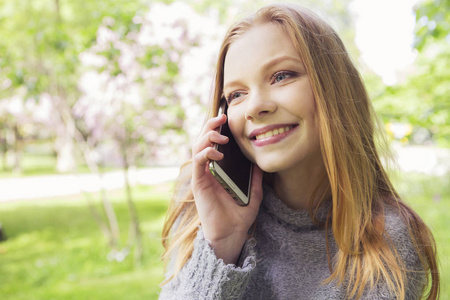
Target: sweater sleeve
(206,277)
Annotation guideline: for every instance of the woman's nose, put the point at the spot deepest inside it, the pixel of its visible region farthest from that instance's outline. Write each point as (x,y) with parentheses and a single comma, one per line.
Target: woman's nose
(259,105)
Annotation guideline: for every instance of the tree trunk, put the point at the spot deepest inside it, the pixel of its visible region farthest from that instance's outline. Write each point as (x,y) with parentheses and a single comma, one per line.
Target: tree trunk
(58,10)
(14,153)
(4,149)
(111,216)
(112,232)
(65,160)
(135,234)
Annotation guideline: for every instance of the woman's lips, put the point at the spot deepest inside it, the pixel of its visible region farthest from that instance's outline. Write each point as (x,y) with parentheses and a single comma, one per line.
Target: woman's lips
(271,134)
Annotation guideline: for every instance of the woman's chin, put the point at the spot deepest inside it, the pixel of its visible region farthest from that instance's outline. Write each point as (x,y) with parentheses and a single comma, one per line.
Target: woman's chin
(269,167)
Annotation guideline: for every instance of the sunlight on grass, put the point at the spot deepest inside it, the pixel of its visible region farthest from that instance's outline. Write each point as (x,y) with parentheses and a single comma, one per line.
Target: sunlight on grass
(55,250)
(33,164)
(42,163)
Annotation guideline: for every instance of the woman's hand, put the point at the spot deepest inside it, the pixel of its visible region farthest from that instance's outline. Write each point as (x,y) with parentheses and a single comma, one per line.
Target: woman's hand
(224,222)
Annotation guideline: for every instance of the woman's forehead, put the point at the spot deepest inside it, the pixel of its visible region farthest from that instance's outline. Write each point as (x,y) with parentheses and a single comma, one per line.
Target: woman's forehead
(257,47)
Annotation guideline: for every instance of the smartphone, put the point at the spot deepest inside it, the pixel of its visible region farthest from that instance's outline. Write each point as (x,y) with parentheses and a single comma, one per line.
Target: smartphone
(234,171)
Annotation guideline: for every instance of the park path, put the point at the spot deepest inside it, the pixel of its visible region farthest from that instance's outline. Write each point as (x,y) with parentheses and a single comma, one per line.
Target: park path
(425,159)
(46,186)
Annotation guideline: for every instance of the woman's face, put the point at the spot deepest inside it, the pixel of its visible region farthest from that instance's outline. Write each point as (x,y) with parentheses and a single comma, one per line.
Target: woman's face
(272,112)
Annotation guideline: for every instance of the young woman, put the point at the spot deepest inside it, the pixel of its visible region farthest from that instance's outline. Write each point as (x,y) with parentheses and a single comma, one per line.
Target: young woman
(324,221)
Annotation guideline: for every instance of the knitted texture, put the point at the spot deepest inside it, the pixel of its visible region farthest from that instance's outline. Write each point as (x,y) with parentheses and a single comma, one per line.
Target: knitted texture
(206,277)
(286,259)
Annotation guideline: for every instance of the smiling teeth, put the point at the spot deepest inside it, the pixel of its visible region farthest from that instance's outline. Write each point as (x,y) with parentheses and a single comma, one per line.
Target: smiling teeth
(273,132)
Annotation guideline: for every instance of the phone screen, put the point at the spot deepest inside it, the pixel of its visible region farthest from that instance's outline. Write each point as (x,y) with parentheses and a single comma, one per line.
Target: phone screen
(234,163)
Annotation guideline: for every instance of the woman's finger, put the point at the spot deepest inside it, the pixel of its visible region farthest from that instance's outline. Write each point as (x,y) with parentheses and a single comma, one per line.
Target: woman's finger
(213,124)
(208,139)
(202,158)
(256,189)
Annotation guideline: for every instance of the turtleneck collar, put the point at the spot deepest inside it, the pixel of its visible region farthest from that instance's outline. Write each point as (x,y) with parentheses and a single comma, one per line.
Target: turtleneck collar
(299,218)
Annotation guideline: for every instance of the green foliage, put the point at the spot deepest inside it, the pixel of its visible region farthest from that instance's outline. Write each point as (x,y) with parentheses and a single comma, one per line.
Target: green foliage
(432,81)
(422,99)
(432,22)
(41,41)
(56,251)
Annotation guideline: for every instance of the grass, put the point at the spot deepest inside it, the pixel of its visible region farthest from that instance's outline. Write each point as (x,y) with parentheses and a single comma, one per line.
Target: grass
(32,164)
(430,198)
(41,163)
(56,251)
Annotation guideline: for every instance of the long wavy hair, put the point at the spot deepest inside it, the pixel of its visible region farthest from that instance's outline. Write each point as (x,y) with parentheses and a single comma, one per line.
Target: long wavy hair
(359,184)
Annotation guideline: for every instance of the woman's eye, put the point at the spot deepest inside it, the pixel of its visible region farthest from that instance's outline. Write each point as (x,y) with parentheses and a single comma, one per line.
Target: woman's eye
(280,76)
(234,95)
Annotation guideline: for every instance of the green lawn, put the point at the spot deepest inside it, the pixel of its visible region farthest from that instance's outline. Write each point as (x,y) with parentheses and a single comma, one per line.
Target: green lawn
(56,251)
(32,164)
(41,163)
(430,197)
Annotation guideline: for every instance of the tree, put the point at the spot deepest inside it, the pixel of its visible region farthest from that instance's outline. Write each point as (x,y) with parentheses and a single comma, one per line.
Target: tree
(41,40)
(133,97)
(423,99)
(432,22)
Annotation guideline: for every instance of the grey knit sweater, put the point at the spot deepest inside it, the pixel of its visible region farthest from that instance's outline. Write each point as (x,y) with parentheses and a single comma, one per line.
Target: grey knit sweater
(286,259)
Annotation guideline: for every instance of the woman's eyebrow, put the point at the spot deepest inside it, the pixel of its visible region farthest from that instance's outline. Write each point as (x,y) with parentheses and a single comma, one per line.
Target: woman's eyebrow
(279,59)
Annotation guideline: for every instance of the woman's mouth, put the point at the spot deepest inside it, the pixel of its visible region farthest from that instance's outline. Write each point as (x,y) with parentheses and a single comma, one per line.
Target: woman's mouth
(271,134)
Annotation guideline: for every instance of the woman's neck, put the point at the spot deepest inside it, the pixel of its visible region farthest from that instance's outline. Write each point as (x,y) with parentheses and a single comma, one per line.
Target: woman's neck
(296,186)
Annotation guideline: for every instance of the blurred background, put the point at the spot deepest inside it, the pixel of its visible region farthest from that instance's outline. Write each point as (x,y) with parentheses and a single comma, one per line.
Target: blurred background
(100,102)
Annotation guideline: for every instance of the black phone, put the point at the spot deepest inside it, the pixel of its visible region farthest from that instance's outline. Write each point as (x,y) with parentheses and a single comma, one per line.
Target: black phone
(234,171)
